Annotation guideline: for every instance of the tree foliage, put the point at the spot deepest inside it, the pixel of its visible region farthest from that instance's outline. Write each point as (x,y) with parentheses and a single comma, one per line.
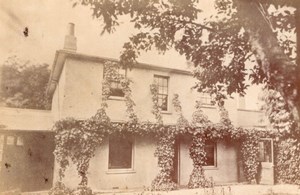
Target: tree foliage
(219,46)
(23,85)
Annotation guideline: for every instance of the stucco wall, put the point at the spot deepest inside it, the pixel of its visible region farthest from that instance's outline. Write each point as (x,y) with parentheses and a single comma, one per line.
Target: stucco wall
(145,167)
(250,118)
(82,89)
(79,94)
(100,177)
(58,96)
(226,170)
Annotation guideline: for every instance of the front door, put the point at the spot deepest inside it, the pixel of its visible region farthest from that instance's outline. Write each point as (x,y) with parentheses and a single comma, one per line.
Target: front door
(266,168)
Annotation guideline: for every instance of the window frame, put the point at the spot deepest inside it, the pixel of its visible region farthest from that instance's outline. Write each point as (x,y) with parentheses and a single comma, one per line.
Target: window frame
(214,144)
(206,97)
(121,170)
(167,90)
(113,96)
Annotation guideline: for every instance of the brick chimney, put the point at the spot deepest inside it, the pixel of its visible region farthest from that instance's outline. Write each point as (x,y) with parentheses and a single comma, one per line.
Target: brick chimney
(70,39)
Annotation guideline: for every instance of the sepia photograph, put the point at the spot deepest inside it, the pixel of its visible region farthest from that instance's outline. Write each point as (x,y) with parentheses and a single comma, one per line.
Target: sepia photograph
(150,97)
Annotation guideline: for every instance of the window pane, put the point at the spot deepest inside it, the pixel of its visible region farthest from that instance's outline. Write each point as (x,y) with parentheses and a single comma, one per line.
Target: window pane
(210,154)
(205,98)
(165,91)
(20,141)
(115,86)
(116,89)
(10,140)
(165,82)
(162,83)
(265,151)
(164,104)
(160,89)
(120,153)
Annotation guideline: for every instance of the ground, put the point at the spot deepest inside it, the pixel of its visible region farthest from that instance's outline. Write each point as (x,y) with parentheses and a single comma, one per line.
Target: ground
(238,189)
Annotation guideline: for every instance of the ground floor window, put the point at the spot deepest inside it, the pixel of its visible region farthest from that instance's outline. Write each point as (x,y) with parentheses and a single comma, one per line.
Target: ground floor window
(266,150)
(211,154)
(120,153)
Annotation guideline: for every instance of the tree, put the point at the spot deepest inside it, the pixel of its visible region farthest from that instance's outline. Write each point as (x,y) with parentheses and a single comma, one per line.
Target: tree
(23,85)
(219,46)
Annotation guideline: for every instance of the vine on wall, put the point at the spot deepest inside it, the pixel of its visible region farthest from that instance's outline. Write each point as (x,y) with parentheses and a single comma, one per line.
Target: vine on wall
(76,141)
(249,156)
(287,161)
(182,123)
(164,150)
(197,149)
(165,153)
(198,155)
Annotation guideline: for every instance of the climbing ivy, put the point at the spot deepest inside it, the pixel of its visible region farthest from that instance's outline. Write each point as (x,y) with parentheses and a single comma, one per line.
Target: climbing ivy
(197,150)
(249,155)
(165,148)
(198,155)
(287,161)
(77,140)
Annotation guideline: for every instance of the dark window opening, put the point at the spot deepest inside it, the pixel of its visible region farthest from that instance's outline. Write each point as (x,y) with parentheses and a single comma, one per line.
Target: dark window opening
(120,153)
(116,89)
(210,149)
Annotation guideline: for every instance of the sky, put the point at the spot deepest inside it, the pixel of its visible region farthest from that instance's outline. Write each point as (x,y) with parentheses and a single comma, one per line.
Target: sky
(47,22)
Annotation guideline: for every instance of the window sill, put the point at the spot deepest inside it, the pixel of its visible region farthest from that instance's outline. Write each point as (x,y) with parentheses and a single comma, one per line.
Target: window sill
(120,171)
(118,98)
(210,168)
(165,112)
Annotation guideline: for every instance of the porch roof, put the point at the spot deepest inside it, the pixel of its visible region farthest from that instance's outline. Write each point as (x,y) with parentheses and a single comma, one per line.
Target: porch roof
(25,119)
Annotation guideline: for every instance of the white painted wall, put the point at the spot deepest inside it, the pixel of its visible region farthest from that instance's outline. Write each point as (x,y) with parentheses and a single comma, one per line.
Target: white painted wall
(79,93)
(226,170)
(144,168)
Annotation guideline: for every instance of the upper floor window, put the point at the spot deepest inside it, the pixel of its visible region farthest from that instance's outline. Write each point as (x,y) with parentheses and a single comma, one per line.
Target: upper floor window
(205,99)
(116,89)
(114,79)
(162,83)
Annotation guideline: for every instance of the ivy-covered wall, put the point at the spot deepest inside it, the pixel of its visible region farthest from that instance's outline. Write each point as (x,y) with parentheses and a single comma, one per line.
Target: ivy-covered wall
(77,141)
(144,168)
(226,170)
(69,101)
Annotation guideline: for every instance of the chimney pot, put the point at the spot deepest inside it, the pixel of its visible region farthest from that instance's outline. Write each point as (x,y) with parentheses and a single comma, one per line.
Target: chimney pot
(70,39)
(71,30)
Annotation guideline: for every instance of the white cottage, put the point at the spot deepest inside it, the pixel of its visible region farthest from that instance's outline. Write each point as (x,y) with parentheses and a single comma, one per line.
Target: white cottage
(75,85)
(76,91)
